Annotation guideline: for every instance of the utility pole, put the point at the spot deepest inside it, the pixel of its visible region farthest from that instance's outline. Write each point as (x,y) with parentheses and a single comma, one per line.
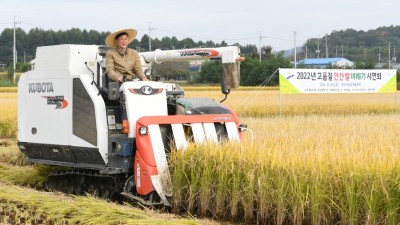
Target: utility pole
(379,55)
(342,51)
(150,29)
(326,43)
(306,52)
(318,47)
(260,44)
(389,54)
(365,54)
(336,51)
(295,51)
(394,55)
(14,51)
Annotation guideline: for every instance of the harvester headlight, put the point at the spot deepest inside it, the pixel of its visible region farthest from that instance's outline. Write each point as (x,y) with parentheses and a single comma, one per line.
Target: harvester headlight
(125,126)
(143,130)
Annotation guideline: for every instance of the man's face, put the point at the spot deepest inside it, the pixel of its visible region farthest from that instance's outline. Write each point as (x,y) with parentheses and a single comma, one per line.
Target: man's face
(122,42)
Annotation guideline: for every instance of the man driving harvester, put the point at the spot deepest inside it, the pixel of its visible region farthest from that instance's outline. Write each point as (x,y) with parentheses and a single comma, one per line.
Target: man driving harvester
(123,63)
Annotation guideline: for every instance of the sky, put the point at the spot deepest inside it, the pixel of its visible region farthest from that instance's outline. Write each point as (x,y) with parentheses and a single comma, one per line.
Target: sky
(282,24)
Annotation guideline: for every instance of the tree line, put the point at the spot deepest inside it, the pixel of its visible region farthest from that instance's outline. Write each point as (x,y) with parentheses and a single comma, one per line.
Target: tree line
(369,47)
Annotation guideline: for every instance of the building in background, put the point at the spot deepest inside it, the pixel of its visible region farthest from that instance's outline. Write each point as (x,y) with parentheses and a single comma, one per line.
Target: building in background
(322,63)
(195,65)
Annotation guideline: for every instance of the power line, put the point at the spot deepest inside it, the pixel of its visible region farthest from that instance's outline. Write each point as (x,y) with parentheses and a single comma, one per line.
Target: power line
(196,37)
(226,39)
(150,29)
(41,26)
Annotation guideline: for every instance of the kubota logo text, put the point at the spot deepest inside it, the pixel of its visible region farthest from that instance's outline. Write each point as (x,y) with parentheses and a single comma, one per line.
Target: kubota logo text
(42,87)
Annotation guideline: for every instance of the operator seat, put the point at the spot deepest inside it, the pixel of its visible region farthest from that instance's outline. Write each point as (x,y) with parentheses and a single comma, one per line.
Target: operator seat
(102,77)
(108,89)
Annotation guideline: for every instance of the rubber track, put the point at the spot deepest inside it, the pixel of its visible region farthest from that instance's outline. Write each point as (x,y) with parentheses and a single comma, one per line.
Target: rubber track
(81,181)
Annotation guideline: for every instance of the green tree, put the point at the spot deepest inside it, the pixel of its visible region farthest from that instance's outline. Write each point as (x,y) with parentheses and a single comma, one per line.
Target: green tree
(174,42)
(6,46)
(187,43)
(210,73)
(357,45)
(20,67)
(171,70)
(253,72)
(156,44)
(135,44)
(144,43)
(167,42)
(223,44)
(248,49)
(364,65)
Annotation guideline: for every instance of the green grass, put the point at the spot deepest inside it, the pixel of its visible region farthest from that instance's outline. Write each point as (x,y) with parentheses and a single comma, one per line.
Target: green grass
(3,75)
(5,82)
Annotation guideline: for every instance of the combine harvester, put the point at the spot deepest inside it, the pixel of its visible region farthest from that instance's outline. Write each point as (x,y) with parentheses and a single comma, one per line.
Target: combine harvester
(116,137)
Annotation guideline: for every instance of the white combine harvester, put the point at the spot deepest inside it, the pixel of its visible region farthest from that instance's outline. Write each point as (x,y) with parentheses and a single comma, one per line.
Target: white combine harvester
(116,137)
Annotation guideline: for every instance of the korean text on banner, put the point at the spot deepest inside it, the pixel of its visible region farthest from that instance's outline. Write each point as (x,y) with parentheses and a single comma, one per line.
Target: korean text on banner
(293,81)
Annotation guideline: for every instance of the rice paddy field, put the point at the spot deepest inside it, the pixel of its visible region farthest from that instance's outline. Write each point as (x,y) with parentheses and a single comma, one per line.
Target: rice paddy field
(308,159)
(8,114)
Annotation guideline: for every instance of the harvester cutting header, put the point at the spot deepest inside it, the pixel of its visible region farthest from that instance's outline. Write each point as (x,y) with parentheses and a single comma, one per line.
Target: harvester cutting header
(116,136)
